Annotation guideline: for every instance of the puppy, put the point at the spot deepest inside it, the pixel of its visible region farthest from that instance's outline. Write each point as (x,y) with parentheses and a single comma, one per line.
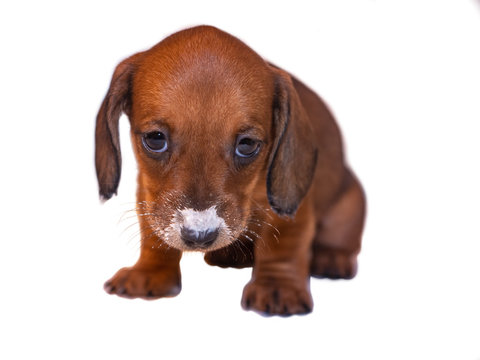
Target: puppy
(237,159)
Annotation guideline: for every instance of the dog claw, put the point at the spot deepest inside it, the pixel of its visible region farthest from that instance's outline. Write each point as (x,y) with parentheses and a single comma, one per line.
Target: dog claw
(109,288)
(307,308)
(267,309)
(122,291)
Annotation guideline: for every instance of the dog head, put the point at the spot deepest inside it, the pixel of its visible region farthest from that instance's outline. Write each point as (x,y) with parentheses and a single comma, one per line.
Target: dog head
(215,129)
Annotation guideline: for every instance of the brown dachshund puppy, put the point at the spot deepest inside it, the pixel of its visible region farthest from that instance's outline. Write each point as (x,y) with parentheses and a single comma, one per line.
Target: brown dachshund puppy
(222,138)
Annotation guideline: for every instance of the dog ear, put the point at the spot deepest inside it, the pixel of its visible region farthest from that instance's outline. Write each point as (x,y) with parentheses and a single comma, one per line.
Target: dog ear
(108,158)
(294,154)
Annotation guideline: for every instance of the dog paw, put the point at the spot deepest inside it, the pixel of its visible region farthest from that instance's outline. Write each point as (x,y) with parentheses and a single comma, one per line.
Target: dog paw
(144,283)
(334,265)
(277,299)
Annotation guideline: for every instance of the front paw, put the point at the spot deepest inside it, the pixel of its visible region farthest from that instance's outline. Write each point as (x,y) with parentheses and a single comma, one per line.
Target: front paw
(277,298)
(144,283)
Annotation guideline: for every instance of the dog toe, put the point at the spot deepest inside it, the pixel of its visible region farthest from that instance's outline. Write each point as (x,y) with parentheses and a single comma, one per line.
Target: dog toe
(334,265)
(146,284)
(277,299)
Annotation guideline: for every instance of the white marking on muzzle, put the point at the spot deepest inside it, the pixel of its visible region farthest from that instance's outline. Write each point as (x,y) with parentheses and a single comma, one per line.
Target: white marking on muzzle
(199,222)
(202,221)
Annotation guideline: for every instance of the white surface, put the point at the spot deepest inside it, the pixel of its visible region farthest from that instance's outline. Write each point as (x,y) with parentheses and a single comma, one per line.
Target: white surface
(403,78)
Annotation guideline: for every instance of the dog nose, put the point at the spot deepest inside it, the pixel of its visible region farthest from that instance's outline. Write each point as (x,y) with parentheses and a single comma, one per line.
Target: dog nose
(195,238)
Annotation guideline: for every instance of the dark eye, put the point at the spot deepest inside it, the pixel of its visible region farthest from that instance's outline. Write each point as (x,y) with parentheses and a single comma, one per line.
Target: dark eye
(155,141)
(247,147)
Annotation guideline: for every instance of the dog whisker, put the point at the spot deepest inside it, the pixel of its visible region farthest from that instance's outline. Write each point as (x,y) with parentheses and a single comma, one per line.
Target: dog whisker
(126,215)
(252,232)
(240,246)
(265,210)
(130,226)
(260,223)
(247,237)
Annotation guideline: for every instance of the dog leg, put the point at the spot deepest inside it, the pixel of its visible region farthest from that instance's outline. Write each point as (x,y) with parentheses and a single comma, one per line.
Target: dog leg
(280,283)
(154,276)
(338,238)
(156,273)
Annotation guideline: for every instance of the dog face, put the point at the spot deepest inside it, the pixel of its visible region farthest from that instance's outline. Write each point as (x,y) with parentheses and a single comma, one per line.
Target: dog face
(212,130)
(201,138)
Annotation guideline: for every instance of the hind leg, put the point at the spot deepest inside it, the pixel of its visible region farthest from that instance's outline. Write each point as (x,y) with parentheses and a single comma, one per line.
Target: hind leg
(338,238)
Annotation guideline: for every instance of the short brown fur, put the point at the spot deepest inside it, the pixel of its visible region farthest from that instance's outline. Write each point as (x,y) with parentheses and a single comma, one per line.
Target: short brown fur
(293,210)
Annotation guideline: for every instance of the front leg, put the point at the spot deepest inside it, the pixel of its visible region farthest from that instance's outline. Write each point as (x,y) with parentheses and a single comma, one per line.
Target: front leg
(280,283)
(156,273)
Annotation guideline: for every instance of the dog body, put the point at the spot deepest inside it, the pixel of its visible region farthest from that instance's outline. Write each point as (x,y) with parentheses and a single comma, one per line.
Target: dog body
(236,159)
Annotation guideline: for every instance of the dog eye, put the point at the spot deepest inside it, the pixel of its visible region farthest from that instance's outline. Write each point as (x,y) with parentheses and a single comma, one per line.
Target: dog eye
(247,147)
(155,141)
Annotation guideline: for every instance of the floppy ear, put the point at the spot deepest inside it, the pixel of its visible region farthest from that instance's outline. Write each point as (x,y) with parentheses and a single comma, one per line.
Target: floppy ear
(294,154)
(108,158)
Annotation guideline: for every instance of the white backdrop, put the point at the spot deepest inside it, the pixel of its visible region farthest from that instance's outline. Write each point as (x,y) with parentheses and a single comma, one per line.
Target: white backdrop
(402,77)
